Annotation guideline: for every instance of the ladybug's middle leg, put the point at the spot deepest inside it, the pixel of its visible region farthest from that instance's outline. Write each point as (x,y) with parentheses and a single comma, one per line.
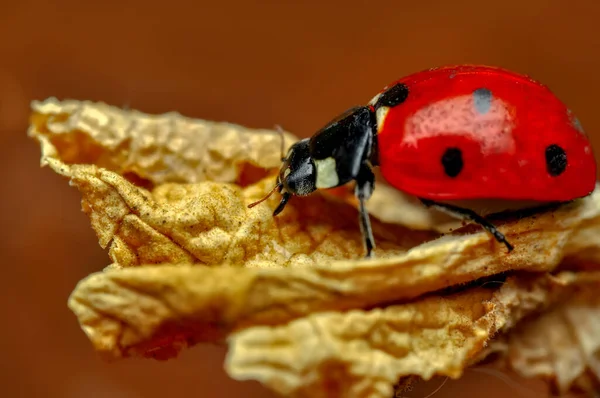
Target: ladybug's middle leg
(468,214)
(365,183)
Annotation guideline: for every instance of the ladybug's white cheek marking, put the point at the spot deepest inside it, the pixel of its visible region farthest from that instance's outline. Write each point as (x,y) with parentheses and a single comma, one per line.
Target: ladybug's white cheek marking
(460,116)
(327,176)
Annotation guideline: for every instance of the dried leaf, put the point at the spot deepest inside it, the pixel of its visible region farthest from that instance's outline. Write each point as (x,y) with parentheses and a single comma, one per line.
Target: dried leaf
(161,148)
(263,296)
(168,195)
(278,294)
(363,353)
(561,345)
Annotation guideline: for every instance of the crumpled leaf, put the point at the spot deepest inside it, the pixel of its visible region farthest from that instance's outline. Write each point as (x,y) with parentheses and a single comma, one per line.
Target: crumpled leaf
(156,148)
(362,353)
(561,345)
(168,195)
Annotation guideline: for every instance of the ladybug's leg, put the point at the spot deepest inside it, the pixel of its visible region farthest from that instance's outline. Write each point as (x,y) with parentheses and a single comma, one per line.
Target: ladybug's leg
(467,214)
(365,183)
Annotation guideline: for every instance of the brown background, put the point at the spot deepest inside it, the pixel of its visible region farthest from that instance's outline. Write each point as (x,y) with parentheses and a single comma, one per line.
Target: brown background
(252,63)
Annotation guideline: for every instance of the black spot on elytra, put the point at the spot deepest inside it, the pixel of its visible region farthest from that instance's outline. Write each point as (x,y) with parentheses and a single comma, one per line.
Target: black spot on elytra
(393,96)
(556,160)
(452,161)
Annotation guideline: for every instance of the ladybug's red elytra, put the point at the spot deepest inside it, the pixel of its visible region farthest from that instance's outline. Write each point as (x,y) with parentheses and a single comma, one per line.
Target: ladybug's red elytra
(466,132)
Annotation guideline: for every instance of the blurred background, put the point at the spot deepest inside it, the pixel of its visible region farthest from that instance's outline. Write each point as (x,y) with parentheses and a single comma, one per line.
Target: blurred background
(258,64)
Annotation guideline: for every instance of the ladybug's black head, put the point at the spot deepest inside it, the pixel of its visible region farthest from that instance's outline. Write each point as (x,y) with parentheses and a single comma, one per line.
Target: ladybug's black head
(298,172)
(297,175)
(333,156)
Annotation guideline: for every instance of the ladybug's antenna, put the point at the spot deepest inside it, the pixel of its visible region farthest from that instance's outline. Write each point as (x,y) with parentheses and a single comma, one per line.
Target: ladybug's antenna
(277,187)
(279,129)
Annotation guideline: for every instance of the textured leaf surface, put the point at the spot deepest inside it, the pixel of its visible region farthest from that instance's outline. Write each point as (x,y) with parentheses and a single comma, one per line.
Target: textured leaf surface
(562,344)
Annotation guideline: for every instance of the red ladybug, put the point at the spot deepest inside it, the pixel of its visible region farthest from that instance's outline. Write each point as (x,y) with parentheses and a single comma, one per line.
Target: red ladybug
(447,135)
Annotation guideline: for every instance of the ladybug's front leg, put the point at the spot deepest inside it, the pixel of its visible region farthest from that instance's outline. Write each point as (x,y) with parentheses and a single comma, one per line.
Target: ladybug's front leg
(365,183)
(468,214)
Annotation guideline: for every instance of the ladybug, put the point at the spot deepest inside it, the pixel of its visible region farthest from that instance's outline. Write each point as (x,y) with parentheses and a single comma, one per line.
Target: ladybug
(449,135)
